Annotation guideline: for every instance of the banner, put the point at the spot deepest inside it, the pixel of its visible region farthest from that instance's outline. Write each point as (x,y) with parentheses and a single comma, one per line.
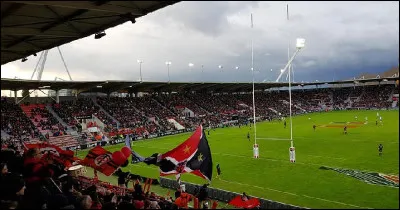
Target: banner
(83,117)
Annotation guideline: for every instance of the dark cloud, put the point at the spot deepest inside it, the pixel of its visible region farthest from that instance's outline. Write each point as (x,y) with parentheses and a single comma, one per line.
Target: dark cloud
(206,17)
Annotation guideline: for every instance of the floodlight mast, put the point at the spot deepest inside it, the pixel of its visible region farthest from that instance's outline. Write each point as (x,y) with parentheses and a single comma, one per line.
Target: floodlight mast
(168,63)
(140,69)
(299,46)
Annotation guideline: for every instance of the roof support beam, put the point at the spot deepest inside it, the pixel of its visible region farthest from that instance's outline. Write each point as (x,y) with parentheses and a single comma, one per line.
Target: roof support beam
(61,18)
(87,6)
(49,26)
(13,8)
(35,32)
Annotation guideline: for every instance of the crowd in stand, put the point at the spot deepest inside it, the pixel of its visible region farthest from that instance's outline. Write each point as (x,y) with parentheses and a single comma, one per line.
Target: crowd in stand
(44,120)
(151,114)
(340,95)
(211,103)
(176,102)
(374,97)
(29,181)
(68,110)
(15,123)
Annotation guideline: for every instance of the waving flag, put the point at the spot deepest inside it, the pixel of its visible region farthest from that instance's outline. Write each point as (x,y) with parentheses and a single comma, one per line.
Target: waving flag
(136,158)
(239,202)
(192,156)
(64,157)
(100,160)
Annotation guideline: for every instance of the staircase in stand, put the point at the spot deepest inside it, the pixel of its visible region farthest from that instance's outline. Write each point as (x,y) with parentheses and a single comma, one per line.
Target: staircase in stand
(176,124)
(35,119)
(105,112)
(394,104)
(276,112)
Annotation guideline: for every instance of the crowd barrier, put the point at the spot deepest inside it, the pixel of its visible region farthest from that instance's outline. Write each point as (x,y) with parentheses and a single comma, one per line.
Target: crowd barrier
(223,195)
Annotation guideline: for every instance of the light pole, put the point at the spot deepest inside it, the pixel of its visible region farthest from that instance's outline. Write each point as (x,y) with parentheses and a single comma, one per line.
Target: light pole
(202,72)
(190,67)
(168,63)
(140,69)
(237,68)
(299,45)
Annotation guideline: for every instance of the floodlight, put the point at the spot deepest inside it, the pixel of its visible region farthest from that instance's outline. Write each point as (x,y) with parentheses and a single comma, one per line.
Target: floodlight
(300,43)
(139,61)
(99,35)
(191,64)
(168,63)
(237,67)
(220,66)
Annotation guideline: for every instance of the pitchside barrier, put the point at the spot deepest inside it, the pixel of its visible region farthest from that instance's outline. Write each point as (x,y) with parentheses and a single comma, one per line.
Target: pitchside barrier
(223,195)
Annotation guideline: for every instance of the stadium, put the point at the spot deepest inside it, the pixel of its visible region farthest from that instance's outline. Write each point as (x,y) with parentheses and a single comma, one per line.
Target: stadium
(109,144)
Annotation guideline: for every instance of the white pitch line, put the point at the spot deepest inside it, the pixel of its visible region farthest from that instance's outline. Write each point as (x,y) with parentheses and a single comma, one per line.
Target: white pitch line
(327,157)
(273,139)
(242,156)
(293,194)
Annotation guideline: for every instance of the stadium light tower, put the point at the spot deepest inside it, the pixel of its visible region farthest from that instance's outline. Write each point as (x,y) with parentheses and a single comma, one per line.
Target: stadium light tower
(190,66)
(202,72)
(140,69)
(299,45)
(237,68)
(168,63)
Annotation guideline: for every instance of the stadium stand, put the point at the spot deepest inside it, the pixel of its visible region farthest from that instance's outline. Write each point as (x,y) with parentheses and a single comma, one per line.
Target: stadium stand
(29,182)
(144,115)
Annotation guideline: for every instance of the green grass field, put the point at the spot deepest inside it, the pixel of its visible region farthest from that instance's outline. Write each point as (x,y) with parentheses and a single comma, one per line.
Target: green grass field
(302,183)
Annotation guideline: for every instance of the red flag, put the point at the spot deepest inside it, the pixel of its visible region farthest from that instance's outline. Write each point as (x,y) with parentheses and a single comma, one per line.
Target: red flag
(49,151)
(247,204)
(192,156)
(100,160)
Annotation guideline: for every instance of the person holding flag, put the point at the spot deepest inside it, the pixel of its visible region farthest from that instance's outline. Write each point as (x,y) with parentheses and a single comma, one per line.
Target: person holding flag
(136,158)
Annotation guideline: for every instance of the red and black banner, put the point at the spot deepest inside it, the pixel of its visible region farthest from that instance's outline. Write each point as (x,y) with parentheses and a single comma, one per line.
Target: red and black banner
(49,151)
(100,160)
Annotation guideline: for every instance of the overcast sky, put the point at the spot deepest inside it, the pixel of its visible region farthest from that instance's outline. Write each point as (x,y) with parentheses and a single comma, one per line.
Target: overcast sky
(343,39)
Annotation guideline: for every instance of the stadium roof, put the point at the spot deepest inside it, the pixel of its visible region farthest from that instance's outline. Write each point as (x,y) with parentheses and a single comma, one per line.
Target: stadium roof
(135,86)
(28,27)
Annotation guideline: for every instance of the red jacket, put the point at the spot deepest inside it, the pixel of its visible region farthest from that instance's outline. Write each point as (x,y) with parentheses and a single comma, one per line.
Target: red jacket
(36,170)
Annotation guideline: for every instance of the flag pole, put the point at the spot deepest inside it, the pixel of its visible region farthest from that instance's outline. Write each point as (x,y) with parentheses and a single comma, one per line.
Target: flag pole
(252,70)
